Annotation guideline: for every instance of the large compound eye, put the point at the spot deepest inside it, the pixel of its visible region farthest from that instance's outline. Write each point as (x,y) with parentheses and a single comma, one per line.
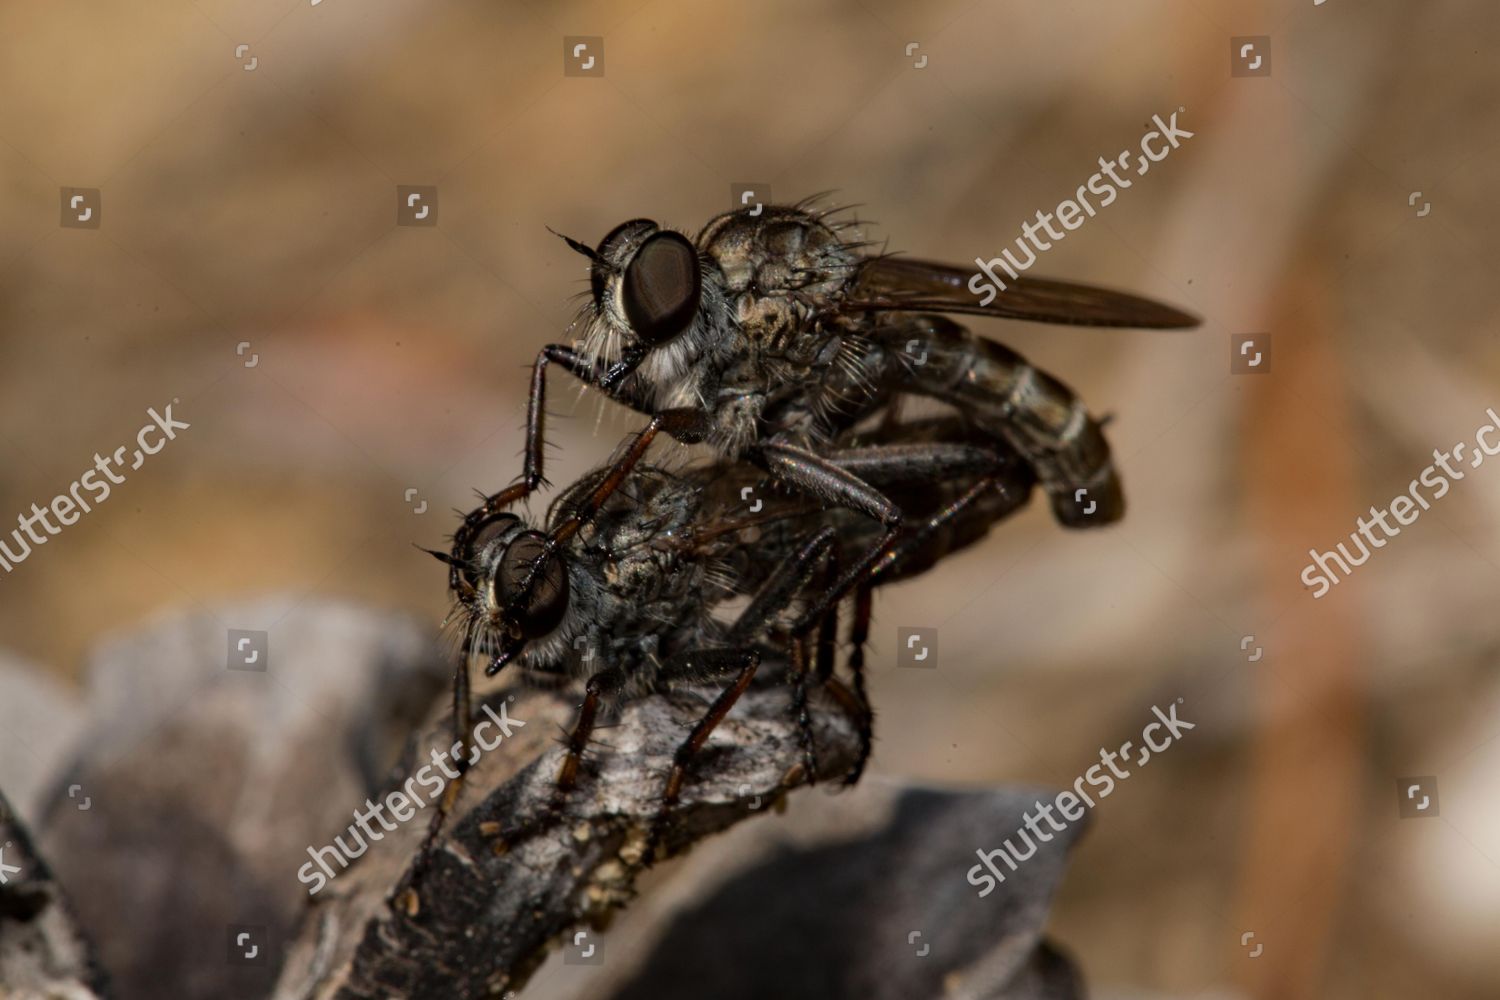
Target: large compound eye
(543,611)
(615,249)
(496,526)
(662,287)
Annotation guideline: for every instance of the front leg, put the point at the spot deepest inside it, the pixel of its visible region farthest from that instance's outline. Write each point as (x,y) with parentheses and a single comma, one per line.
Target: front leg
(532,477)
(602,686)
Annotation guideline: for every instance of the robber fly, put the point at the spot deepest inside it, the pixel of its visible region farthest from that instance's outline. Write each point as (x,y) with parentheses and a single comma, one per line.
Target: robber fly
(771,333)
(630,601)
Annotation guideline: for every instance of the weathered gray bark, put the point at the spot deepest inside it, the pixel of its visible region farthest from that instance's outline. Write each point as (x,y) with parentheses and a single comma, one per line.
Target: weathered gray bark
(477,922)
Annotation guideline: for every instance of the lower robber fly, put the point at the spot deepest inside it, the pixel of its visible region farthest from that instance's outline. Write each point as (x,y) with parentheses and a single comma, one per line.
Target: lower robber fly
(629,600)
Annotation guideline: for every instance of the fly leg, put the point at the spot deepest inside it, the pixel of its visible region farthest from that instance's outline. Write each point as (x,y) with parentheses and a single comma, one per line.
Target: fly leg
(855,702)
(789,579)
(892,464)
(833,479)
(924,462)
(696,664)
(462,713)
(879,561)
(797,665)
(828,630)
(859,634)
(813,474)
(532,477)
(601,688)
(827,649)
(914,542)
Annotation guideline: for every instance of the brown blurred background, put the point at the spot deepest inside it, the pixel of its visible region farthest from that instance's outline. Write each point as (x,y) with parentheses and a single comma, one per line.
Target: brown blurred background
(258,205)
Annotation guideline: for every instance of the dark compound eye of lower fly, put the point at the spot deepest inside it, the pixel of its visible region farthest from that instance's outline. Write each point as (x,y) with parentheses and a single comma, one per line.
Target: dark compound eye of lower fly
(662,287)
(497,526)
(543,610)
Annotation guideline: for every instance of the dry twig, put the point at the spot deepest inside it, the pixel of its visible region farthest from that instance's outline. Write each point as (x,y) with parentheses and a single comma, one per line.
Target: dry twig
(481,915)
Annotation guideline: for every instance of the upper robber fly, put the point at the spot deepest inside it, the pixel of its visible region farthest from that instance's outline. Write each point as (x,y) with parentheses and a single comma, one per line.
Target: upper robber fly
(776,332)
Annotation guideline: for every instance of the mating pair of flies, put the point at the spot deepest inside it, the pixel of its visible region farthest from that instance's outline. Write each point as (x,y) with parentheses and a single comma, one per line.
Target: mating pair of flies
(775,339)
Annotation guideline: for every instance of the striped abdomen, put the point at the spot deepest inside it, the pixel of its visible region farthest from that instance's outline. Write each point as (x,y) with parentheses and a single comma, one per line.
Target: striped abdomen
(1004,395)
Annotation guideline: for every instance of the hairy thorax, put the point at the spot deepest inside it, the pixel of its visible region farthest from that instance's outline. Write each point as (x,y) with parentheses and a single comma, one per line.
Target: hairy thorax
(774,270)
